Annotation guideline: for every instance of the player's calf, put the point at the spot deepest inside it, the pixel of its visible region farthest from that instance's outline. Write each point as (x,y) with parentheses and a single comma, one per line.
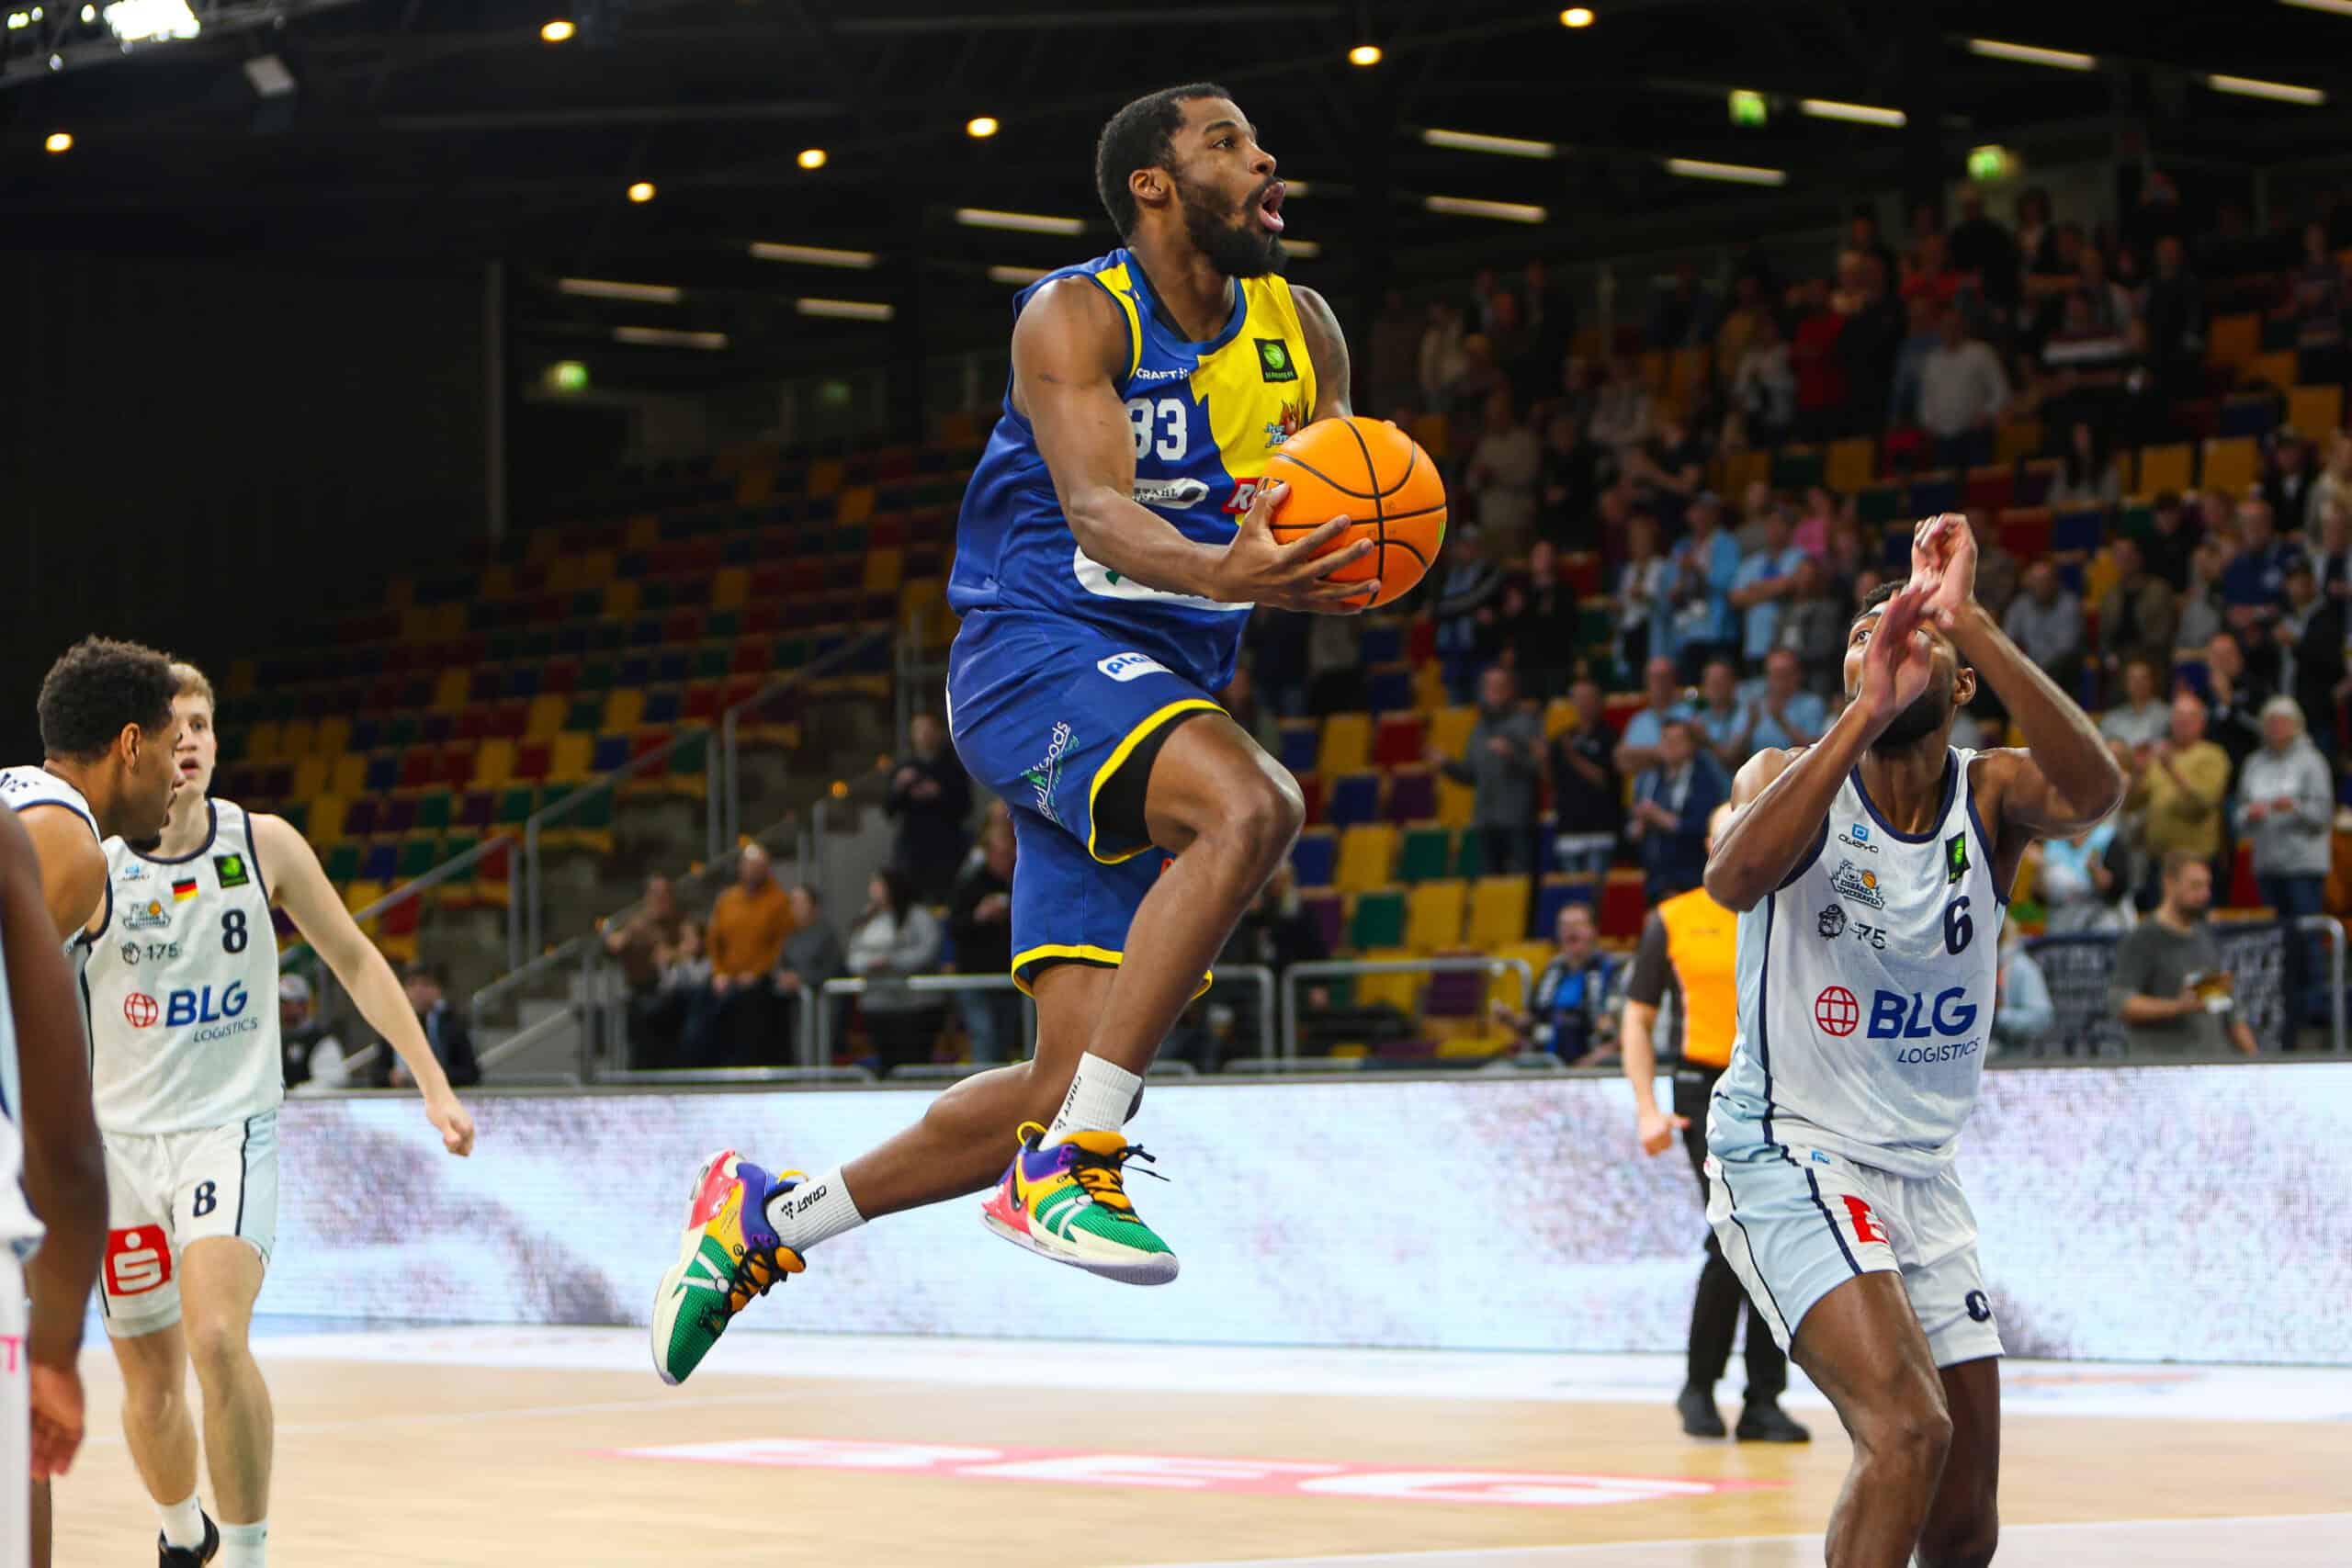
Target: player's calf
(1968,1543)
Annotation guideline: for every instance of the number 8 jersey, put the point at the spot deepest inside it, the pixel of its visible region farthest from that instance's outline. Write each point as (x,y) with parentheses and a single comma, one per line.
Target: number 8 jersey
(1866,987)
(183,986)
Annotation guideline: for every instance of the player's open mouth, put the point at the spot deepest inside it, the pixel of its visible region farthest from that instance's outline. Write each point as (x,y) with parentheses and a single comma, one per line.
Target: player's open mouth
(1269,206)
(187,768)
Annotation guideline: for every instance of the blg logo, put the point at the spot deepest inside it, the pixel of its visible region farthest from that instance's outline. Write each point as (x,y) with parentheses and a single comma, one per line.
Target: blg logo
(1896,1016)
(184,1008)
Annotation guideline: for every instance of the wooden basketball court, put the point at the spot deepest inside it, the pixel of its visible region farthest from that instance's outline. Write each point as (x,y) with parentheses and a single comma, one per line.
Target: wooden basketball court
(501,1445)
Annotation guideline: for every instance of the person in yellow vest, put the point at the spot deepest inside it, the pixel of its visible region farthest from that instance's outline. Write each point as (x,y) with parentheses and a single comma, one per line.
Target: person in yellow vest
(1688,945)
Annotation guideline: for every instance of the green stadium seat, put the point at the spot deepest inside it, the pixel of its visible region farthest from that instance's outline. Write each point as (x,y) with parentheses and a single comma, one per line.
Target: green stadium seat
(1470,861)
(711,664)
(420,853)
(342,861)
(1422,856)
(433,810)
(585,714)
(1378,920)
(598,675)
(515,805)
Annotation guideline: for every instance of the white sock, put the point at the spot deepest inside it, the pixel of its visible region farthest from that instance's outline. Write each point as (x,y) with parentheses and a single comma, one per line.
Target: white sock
(183,1522)
(1101,1095)
(244,1546)
(812,1212)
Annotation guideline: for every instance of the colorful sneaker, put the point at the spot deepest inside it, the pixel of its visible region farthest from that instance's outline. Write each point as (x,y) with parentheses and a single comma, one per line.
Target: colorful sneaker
(727,1255)
(1069,1203)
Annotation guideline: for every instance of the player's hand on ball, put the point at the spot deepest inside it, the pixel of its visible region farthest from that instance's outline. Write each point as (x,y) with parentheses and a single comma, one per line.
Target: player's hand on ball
(456,1127)
(57,1418)
(1900,656)
(1943,554)
(1258,569)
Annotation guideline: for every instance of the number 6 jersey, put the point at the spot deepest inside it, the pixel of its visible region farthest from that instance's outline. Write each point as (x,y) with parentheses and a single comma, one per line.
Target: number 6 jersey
(1866,989)
(183,986)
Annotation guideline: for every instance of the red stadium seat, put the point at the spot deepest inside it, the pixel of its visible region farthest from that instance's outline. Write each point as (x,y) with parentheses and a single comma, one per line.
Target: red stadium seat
(1622,906)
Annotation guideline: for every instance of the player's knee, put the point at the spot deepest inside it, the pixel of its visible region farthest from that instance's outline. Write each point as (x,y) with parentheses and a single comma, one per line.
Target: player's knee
(1264,819)
(1967,1542)
(217,1351)
(148,1400)
(1912,1430)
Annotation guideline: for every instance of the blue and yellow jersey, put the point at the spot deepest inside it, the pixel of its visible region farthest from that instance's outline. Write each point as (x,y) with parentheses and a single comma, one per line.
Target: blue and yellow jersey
(1206,417)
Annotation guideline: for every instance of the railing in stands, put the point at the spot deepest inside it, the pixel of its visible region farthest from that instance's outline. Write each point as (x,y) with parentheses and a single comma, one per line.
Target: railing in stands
(1350,968)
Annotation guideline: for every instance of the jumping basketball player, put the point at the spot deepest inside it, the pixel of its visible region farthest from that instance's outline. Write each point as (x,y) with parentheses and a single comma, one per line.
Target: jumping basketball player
(188,1074)
(48,1137)
(1112,543)
(105,731)
(1872,871)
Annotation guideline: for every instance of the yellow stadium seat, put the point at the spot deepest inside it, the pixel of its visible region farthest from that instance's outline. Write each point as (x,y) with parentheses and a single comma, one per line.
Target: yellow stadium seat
(825,477)
(261,742)
(882,570)
(2277,369)
(493,762)
(1367,857)
(2315,410)
(856,505)
(453,691)
(1435,433)
(644,531)
(2233,340)
(1498,912)
(2165,468)
(1347,744)
(358,895)
(2017,438)
(2098,575)
(310,776)
(324,825)
(1402,992)
(621,600)
(1851,464)
(1559,717)
(333,735)
(623,708)
(1429,687)
(498,581)
(2233,464)
(753,486)
(1534,954)
(1456,803)
(1744,469)
(546,716)
(1450,729)
(1433,915)
(294,739)
(731,588)
(350,778)
(569,760)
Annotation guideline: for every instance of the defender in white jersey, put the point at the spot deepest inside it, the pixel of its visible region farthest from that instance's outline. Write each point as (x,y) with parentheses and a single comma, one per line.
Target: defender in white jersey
(1872,871)
(188,1076)
(107,735)
(52,1194)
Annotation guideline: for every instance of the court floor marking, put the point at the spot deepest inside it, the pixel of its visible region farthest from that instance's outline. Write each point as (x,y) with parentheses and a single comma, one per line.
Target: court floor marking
(498,1413)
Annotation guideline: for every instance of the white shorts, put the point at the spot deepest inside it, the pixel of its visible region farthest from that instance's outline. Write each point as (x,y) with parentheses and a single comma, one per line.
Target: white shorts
(167,1189)
(1796,1223)
(15,1416)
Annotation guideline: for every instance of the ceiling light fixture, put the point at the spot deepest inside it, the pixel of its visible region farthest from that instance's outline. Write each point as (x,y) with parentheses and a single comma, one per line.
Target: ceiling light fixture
(558,31)
(845,309)
(1364,54)
(1858,114)
(982,126)
(1472,207)
(1027,222)
(666,337)
(601,289)
(60,141)
(811,158)
(2032,54)
(813,255)
(1474,142)
(1306,249)
(642,192)
(2276,92)
(2333,7)
(1577,16)
(1735,174)
(1015,274)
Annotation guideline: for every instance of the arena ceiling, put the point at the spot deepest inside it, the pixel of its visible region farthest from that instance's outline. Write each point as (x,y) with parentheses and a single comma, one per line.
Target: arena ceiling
(435,133)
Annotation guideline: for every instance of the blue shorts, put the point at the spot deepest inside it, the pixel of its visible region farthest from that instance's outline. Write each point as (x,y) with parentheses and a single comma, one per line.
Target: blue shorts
(1043,713)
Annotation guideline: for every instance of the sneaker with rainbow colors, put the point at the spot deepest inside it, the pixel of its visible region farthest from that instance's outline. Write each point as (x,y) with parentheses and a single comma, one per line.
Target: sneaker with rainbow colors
(1069,1203)
(727,1255)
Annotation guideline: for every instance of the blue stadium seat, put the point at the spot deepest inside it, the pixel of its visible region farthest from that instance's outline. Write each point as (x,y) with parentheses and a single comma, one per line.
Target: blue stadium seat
(662,706)
(1556,891)
(1390,690)
(1355,798)
(1380,644)
(381,862)
(1299,738)
(1315,857)
(612,753)
(673,668)
(2084,531)
(383,773)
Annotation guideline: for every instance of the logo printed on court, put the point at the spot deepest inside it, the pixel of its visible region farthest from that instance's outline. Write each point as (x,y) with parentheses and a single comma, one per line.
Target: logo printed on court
(1837,1011)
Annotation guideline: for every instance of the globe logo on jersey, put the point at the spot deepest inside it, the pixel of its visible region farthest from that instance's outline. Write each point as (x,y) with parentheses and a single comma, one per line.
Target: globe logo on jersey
(1837,1011)
(140,1010)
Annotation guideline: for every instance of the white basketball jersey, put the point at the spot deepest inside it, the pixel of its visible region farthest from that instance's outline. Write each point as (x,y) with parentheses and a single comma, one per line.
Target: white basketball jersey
(20,1232)
(21,789)
(1866,987)
(183,987)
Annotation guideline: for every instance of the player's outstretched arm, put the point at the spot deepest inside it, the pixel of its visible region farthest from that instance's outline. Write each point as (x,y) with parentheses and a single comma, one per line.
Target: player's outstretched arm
(1068,346)
(300,887)
(72,874)
(1327,350)
(2066,779)
(1781,799)
(66,1173)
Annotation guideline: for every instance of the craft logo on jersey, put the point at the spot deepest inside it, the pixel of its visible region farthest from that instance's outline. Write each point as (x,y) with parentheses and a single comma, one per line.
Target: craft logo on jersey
(1955,859)
(1862,886)
(1274,363)
(1832,923)
(147,916)
(1837,1011)
(1130,666)
(1047,774)
(1858,838)
(230,870)
(184,889)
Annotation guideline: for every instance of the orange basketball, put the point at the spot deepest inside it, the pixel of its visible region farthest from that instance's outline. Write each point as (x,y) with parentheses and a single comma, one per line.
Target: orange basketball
(1381,481)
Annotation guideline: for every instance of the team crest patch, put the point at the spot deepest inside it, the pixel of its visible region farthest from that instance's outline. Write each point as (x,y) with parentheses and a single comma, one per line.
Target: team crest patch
(150,916)
(1275,361)
(230,870)
(1862,886)
(1832,922)
(1955,858)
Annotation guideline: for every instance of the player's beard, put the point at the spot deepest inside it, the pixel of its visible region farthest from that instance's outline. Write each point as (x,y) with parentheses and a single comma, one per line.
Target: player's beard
(1928,712)
(1228,234)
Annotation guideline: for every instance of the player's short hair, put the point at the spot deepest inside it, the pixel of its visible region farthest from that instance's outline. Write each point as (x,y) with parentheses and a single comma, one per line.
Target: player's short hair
(98,687)
(193,683)
(1140,136)
(1881,594)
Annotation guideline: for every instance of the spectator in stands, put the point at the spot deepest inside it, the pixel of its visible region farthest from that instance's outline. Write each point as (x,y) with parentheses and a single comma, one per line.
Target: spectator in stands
(1764,383)
(2179,783)
(1644,616)
(1504,765)
(1539,628)
(313,1058)
(1751,308)
(2092,476)
(1765,579)
(1501,479)
(748,924)
(2175,314)
(1638,747)
(1813,354)
(2023,1014)
(2314,637)
(2082,880)
(812,954)
(2046,621)
(1571,1014)
(979,919)
(1981,247)
(1923,335)
(1669,820)
(1996,569)
(1465,613)
(1813,627)
(2109,305)
(1720,716)
(1863,234)
(1550,314)
(2332,498)
(1705,564)
(1778,711)
(445,1028)
(2036,239)
(2287,807)
(2234,699)
(2200,606)
(1440,362)
(687,998)
(2288,482)
(1961,385)
(2168,986)
(1620,414)
(931,796)
(2172,537)
(1571,475)
(2142,719)
(1868,340)
(2138,617)
(895,937)
(642,944)
(1682,315)
(2315,287)
(1588,800)
(2255,580)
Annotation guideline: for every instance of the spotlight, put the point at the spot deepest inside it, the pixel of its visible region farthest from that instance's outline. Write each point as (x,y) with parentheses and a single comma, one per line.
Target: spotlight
(642,192)
(558,31)
(812,157)
(1364,54)
(1577,16)
(60,141)
(980,126)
